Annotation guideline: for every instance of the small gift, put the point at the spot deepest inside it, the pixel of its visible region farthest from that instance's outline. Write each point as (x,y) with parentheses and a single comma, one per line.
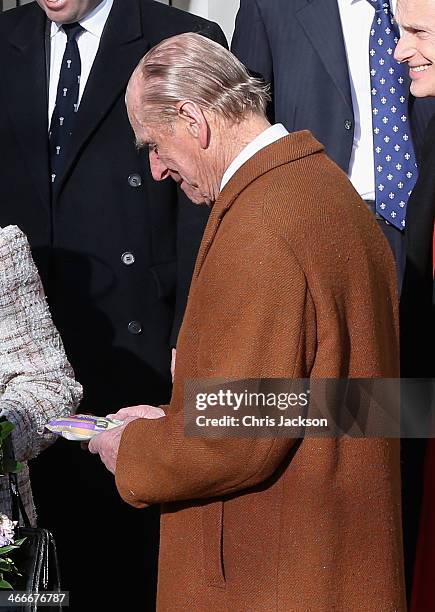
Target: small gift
(81,427)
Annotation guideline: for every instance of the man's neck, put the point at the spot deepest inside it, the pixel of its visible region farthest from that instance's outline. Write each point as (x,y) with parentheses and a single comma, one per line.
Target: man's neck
(241,135)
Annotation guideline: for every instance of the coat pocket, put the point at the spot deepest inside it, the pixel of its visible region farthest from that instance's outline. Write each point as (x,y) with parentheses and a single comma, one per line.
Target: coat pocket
(212,529)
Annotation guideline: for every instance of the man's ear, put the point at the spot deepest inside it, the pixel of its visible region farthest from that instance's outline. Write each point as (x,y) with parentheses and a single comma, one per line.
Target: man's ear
(196,122)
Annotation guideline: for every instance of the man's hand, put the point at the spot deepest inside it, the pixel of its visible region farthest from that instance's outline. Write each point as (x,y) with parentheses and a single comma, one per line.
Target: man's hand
(107,444)
(139,412)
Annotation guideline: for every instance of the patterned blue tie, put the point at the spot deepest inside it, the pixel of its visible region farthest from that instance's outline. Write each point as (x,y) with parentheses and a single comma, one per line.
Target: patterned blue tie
(395,165)
(62,120)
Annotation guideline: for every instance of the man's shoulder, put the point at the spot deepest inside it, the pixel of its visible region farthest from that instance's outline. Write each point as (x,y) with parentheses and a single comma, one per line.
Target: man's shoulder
(307,196)
(161,21)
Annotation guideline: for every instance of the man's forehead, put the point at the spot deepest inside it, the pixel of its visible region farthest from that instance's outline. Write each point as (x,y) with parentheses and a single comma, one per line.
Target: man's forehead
(401,7)
(132,94)
(144,136)
(415,10)
(150,134)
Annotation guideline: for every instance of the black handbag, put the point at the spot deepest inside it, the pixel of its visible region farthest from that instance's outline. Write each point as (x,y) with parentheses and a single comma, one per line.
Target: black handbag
(36,559)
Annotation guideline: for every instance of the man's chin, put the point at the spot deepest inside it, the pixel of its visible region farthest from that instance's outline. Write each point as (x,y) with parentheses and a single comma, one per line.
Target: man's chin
(193,194)
(422,88)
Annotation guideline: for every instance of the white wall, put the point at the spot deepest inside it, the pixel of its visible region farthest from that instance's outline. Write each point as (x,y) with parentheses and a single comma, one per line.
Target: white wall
(224,13)
(8,4)
(221,11)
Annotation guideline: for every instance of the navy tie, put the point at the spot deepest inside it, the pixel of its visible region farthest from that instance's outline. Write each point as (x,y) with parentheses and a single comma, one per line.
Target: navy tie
(395,164)
(62,120)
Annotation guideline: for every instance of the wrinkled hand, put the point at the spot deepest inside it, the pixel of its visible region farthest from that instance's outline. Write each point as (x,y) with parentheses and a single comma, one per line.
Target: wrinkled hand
(107,444)
(142,411)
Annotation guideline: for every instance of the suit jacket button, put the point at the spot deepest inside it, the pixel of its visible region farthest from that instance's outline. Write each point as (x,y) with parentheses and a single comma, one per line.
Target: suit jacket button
(348,124)
(128,258)
(135,327)
(135,180)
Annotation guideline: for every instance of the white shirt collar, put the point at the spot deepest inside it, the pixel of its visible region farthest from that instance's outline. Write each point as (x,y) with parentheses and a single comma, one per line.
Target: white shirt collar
(94,22)
(266,138)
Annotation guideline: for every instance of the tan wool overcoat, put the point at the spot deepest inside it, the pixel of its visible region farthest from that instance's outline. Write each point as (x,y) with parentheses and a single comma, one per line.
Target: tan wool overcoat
(294,279)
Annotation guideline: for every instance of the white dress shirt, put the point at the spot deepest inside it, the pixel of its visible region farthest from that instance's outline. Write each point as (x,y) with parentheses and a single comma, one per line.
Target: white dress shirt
(266,138)
(88,43)
(356,20)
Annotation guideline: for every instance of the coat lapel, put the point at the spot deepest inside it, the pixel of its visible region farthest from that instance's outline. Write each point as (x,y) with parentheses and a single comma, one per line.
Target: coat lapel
(25,81)
(122,45)
(321,22)
(294,146)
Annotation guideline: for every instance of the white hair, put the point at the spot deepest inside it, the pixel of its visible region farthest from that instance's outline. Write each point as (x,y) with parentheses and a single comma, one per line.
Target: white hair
(192,67)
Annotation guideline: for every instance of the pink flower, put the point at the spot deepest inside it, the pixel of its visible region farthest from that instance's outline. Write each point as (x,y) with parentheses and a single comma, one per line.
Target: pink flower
(6,530)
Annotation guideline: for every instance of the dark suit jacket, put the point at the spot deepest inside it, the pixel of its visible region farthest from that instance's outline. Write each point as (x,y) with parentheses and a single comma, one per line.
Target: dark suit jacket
(417,304)
(417,340)
(107,205)
(298,46)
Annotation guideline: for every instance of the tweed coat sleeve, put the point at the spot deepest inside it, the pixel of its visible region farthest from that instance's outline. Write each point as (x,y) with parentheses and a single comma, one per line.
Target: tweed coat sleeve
(222,336)
(36,381)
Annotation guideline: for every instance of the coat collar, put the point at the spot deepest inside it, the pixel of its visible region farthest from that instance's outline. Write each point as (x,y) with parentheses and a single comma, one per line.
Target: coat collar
(296,145)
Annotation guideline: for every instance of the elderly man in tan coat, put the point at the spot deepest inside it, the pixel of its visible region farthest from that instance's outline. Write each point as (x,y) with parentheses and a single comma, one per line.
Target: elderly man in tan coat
(293,280)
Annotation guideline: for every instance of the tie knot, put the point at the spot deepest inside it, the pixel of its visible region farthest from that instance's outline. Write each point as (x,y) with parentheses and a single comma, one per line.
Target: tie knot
(72,30)
(381,5)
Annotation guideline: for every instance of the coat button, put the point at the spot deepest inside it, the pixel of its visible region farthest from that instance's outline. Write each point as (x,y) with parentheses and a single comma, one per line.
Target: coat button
(135,327)
(135,180)
(128,258)
(348,124)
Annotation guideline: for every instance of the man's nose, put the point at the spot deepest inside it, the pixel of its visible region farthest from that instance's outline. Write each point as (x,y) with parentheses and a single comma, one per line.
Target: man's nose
(158,169)
(403,50)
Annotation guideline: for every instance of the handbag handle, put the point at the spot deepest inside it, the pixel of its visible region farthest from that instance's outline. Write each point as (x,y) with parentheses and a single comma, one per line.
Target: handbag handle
(17,502)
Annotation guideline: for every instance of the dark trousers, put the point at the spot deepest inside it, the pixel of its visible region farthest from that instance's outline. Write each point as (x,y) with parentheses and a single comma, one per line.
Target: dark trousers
(107,549)
(396,240)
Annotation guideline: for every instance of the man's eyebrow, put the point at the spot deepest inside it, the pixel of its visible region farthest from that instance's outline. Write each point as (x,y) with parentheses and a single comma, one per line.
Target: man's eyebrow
(141,144)
(415,27)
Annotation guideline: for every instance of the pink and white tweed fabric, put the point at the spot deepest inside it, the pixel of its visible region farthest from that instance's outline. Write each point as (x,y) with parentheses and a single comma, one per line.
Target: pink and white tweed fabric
(36,381)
